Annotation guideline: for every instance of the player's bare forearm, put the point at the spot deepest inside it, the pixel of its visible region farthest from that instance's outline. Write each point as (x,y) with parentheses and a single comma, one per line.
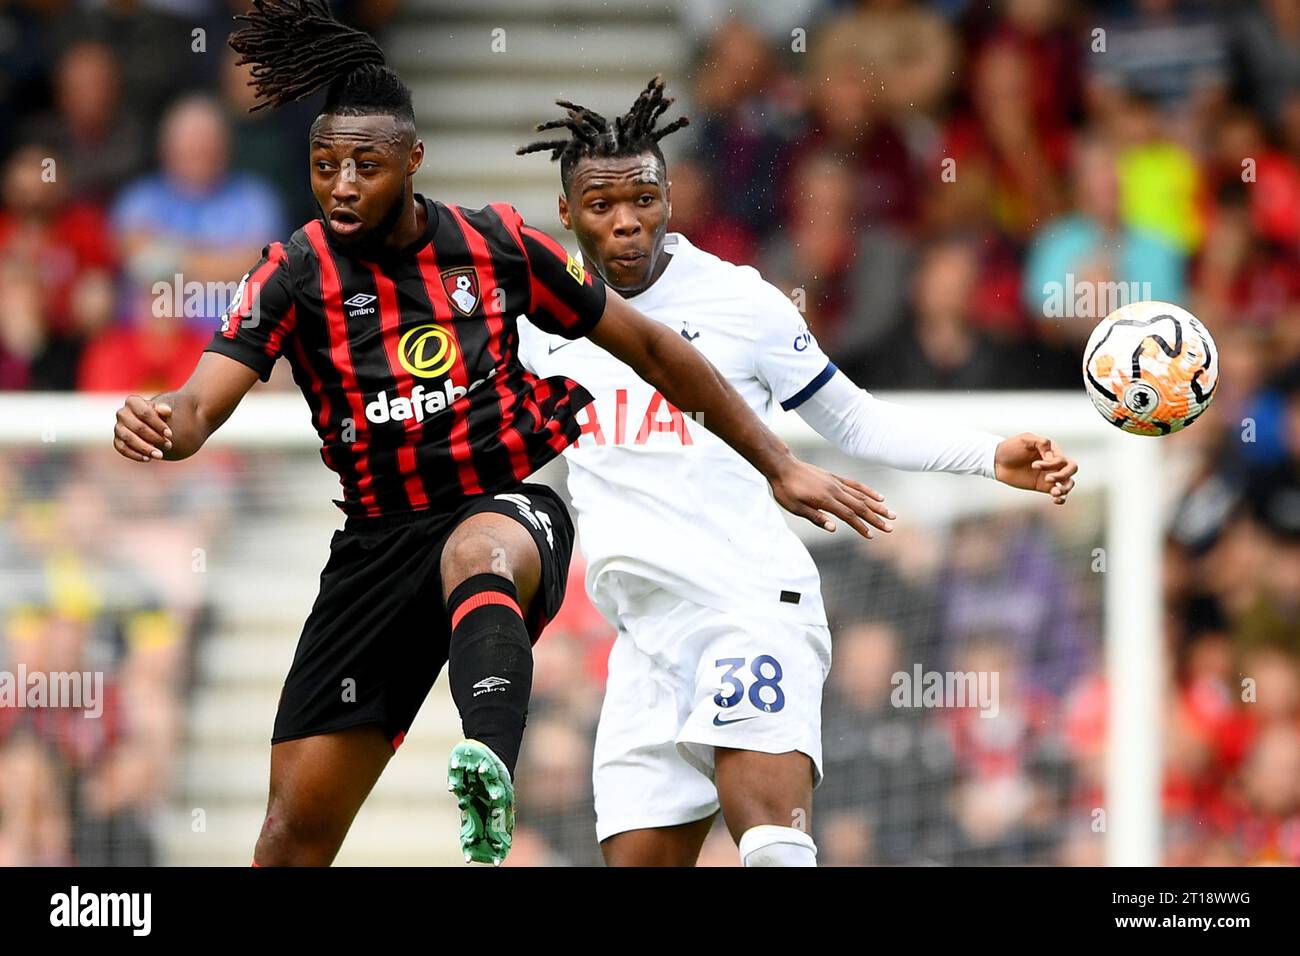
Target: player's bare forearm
(174,425)
(690,381)
(692,384)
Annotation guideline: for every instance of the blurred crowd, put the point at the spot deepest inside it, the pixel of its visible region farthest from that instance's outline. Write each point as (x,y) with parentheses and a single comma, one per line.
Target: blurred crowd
(128,163)
(135,186)
(948,189)
(101,574)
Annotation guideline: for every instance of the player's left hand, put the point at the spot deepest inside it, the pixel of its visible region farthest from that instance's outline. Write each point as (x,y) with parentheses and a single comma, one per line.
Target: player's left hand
(1036,463)
(816,494)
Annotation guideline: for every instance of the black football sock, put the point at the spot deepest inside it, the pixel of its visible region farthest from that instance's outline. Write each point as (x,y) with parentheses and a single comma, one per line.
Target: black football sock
(490,664)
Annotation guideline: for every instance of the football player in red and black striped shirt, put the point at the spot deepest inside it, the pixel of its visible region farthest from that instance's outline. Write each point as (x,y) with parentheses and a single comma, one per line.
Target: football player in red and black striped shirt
(397,316)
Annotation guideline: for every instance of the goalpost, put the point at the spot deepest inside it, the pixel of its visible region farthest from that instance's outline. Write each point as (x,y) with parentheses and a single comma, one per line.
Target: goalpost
(1127,474)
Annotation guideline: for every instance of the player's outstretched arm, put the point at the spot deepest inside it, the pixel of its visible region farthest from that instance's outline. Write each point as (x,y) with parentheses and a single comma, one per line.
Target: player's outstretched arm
(690,382)
(887,433)
(175,425)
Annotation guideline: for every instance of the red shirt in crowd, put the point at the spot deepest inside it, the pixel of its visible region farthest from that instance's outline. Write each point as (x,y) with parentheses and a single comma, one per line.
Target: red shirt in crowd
(75,241)
(147,360)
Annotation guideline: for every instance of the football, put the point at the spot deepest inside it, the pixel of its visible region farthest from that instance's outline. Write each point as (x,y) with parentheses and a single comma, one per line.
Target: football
(1150,368)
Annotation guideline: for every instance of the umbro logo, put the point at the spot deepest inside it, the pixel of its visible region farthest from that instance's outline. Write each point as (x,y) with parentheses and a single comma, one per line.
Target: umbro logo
(358,304)
(489,684)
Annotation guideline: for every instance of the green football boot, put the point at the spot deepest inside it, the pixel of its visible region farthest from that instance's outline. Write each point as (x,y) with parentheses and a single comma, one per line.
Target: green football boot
(486,797)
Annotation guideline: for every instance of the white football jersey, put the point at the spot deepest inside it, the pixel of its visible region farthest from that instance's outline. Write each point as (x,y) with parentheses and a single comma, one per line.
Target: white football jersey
(659,498)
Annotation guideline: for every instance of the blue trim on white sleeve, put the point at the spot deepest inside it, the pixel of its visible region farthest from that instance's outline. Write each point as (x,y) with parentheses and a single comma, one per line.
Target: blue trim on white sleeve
(809,390)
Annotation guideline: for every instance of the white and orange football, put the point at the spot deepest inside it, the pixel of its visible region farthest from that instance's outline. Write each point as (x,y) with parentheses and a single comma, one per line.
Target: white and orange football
(1151,368)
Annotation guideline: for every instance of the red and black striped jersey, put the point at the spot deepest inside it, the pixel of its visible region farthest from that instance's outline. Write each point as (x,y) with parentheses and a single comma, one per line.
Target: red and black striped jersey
(409,362)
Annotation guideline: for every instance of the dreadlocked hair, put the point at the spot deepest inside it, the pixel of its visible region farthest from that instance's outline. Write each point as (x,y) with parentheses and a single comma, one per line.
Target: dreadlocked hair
(297,47)
(590,134)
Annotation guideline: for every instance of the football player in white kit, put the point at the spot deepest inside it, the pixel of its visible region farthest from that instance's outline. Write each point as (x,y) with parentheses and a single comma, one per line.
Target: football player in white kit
(715,678)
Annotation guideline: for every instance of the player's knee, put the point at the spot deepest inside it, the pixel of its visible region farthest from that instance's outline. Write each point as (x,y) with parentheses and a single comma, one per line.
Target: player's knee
(471,552)
(296,838)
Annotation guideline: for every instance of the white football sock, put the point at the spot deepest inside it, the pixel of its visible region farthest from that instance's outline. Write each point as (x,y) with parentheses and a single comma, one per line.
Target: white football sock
(770,845)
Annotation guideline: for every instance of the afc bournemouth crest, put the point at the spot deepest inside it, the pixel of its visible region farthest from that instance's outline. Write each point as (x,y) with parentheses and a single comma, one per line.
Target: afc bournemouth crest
(461,286)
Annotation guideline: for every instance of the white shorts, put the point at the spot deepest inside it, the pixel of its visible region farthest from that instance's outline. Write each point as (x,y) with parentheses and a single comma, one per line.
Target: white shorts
(683,679)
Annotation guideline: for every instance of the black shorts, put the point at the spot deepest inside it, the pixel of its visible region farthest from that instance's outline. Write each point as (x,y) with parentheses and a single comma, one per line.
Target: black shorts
(378,634)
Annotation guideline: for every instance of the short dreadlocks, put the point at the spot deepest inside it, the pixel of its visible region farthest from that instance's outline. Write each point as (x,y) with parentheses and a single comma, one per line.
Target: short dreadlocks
(297,47)
(593,135)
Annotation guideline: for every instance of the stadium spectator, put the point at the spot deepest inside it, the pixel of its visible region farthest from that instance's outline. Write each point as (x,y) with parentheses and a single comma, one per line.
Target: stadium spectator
(1266,41)
(696,216)
(1082,265)
(940,347)
(95,130)
(1159,179)
(562,657)
(1174,52)
(153,351)
(161,46)
(558,801)
(1241,157)
(888,769)
(195,219)
(1004,147)
(126,789)
(850,117)
(35,826)
(1273,486)
(23,66)
(1260,818)
(1013,778)
(849,282)
(91,604)
(267,143)
(60,255)
(909,51)
(1083,735)
(1046,32)
(1049,637)
(742,123)
(844,838)
(1240,277)
(22,325)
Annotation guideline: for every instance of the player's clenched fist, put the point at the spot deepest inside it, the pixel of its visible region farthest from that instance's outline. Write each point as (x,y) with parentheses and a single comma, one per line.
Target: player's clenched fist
(814,493)
(142,432)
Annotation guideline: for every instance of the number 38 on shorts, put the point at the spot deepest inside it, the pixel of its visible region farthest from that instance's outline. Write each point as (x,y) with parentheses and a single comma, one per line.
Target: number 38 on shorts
(763,676)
